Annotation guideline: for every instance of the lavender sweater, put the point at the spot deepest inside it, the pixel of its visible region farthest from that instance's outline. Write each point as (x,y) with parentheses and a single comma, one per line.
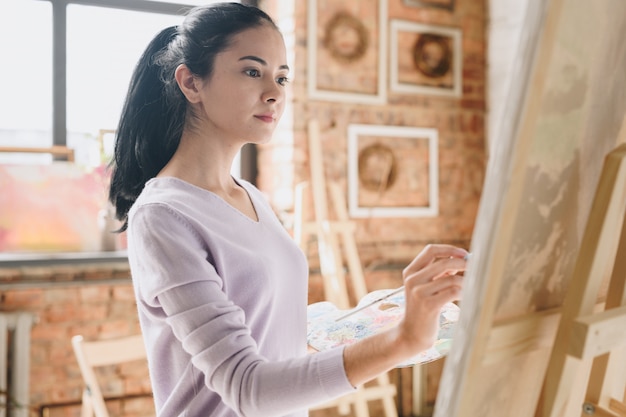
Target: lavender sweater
(222,306)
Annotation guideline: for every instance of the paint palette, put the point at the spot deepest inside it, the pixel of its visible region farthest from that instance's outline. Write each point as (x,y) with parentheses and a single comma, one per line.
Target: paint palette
(325,332)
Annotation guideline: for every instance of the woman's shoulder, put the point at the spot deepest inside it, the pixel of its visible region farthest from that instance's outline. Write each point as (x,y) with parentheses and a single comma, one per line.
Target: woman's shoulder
(170,191)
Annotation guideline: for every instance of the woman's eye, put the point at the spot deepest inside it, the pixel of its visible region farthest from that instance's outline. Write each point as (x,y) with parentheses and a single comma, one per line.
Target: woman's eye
(253,73)
(282,80)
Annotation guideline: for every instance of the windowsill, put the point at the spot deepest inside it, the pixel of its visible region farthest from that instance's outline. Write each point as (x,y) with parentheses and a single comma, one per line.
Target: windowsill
(19,260)
(38,270)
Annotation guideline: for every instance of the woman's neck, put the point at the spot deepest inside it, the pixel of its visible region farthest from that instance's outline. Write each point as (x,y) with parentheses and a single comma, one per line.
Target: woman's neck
(203,162)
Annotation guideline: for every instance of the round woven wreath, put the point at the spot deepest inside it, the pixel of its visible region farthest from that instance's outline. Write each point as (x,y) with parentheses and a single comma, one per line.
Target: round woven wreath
(377,167)
(432,55)
(340,26)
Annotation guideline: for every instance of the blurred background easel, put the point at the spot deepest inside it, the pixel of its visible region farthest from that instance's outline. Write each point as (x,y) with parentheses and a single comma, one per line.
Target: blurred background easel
(334,234)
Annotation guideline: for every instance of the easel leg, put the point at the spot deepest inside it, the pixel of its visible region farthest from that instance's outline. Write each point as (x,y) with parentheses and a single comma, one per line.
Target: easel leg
(599,248)
(608,374)
(329,233)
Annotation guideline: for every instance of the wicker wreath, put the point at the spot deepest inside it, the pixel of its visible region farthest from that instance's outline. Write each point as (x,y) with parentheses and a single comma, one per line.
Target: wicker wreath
(377,167)
(432,55)
(344,26)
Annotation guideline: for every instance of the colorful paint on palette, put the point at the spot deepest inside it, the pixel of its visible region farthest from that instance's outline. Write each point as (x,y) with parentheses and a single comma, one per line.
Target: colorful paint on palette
(324,331)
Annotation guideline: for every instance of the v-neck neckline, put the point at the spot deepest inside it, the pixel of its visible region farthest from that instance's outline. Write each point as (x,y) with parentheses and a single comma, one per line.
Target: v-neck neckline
(256,220)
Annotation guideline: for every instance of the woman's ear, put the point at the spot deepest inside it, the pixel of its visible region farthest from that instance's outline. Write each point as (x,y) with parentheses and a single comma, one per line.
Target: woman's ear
(187,83)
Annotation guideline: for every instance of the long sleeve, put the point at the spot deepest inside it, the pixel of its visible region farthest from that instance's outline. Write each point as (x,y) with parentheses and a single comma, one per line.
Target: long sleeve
(222,304)
(221,348)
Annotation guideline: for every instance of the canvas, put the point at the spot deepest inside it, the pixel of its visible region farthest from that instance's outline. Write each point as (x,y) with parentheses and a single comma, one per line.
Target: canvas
(564,114)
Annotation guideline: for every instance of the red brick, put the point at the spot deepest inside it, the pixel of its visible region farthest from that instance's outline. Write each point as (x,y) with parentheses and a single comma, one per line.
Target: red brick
(95,293)
(62,296)
(124,293)
(116,328)
(29,299)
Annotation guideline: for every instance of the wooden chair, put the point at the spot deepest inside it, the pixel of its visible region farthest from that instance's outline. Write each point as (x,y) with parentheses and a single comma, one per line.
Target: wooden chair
(93,354)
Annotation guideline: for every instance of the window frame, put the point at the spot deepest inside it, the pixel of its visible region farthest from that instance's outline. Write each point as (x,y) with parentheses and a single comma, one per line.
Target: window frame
(59,62)
(59,49)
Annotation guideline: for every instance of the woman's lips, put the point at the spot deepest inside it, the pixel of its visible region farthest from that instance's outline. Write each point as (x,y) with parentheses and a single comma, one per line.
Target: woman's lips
(267,118)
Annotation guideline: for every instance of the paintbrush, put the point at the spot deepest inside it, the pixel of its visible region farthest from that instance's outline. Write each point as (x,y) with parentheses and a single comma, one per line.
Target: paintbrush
(368,305)
(383,298)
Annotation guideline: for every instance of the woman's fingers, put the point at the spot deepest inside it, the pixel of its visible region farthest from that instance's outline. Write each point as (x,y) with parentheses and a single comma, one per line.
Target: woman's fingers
(432,253)
(430,281)
(437,286)
(435,270)
(424,303)
(427,299)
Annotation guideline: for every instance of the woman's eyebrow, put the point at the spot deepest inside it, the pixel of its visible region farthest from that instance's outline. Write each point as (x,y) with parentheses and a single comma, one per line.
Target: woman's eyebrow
(261,61)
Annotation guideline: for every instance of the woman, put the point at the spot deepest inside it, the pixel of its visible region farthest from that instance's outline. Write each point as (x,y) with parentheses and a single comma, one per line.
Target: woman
(221,287)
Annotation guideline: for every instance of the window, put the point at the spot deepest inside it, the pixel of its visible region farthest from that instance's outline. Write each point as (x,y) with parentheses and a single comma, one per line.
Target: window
(103,46)
(26,74)
(66,68)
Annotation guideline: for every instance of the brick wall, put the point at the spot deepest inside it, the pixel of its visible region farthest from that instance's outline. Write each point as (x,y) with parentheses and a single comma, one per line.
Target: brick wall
(460,123)
(95,301)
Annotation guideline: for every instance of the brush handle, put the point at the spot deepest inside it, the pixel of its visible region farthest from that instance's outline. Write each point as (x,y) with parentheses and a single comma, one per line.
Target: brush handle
(378,300)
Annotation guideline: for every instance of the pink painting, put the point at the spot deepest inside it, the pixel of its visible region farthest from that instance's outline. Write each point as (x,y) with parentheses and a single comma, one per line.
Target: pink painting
(51,208)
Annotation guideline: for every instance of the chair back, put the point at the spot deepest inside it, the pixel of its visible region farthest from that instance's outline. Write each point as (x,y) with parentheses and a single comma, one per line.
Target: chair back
(93,354)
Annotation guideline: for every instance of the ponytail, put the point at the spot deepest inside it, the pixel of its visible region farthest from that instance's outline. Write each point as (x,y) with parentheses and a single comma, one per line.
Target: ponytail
(150,125)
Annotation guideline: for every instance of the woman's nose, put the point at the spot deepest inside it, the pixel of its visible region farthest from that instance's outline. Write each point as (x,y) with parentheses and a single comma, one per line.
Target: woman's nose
(273,92)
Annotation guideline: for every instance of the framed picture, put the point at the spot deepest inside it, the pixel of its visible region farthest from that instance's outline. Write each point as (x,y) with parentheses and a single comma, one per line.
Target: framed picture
(439,4)
(392,171)
(425,59)
(347,51)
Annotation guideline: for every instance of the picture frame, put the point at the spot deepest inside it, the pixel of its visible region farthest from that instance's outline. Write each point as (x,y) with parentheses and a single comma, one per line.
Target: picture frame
(438,4)
(347,51)
(425,59)
(383,184)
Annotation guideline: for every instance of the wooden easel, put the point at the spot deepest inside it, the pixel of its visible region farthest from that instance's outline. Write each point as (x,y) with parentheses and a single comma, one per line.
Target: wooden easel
(594,342)
(328,232)
(528,235)
(333,235)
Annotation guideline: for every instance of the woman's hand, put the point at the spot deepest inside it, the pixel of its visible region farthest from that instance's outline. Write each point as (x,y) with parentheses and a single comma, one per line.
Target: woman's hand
(430,281)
